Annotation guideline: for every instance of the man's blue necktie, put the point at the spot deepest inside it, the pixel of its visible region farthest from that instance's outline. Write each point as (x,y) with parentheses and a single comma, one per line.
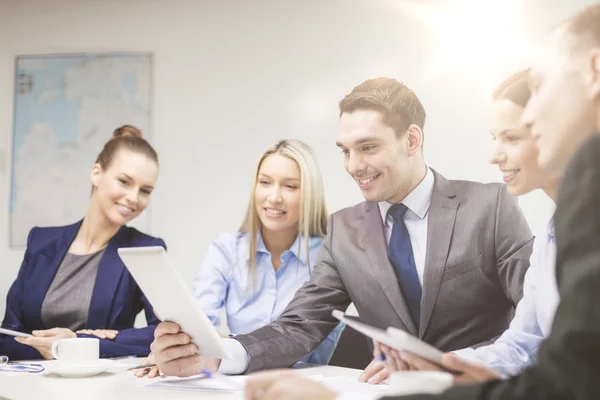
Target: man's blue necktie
(401,256)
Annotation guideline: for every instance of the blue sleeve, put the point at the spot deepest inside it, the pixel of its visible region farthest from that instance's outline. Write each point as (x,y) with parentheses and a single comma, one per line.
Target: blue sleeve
(212,281)
(129,342)
(322,354)
(13,317)
(133,341)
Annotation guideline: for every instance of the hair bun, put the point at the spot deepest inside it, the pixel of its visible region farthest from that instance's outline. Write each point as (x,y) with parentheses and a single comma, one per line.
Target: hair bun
(127,130)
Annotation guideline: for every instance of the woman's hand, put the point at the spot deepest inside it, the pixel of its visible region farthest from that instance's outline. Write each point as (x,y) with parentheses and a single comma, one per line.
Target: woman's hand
(109,334)
(42,340)
(152,372)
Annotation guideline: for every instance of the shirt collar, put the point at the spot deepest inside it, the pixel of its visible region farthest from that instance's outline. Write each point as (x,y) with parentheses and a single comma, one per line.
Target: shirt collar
(260,244)
(417,201)
(298,252)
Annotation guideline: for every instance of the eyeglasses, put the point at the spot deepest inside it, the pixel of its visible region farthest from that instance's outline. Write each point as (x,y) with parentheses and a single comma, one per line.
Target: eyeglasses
(7,366)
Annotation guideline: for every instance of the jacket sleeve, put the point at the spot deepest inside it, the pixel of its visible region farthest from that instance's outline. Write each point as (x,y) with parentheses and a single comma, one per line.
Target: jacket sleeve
(306,321)
(13,317)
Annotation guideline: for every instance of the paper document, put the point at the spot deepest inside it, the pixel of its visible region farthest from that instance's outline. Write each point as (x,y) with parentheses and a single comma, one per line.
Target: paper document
(200,382)
(338,384)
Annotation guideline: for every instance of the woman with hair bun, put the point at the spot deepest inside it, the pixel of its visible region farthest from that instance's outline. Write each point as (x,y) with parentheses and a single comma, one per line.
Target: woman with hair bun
(72,282)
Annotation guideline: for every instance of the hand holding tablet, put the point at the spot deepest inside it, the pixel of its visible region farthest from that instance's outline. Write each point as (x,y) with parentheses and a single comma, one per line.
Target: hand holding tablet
(393,337)
(171,298)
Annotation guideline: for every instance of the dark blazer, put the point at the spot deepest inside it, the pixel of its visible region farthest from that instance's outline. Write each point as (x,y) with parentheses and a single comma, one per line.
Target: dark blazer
(478,249)
(116,299)
(568,364)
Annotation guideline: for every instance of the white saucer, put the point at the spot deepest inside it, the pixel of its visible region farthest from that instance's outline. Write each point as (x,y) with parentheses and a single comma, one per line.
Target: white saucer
(72,370)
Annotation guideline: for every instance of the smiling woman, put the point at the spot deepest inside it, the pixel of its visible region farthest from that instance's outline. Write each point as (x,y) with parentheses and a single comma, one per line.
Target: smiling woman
(254,273)
(514,151)
(71,282)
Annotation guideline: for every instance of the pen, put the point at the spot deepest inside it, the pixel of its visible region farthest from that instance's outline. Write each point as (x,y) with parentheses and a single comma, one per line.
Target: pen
(141,366)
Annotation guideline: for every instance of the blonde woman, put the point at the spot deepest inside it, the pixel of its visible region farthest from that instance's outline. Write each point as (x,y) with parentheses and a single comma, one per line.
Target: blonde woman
(254,273)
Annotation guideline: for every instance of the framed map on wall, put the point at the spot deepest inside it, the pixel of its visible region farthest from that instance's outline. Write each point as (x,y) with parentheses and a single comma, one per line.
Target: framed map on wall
(66,107)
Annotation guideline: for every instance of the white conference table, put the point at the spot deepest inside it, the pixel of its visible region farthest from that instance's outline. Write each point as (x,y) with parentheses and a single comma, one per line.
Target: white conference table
(117,384)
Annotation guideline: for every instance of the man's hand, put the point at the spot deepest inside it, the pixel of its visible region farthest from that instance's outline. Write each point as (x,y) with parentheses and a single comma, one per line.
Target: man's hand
(175,355)
(375,373)
(285,385)
(42,340)
(109,334)
(464,372)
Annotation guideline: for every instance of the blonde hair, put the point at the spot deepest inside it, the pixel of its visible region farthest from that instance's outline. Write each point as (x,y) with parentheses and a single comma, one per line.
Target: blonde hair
(313,210)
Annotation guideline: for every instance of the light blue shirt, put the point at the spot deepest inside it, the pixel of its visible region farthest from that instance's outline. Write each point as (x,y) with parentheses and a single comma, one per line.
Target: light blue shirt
(223,281)
(516,349)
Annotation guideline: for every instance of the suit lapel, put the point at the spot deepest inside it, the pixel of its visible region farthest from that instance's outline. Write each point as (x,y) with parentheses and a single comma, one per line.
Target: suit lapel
(54,253)
(373,241)
(110,272)
(440,225)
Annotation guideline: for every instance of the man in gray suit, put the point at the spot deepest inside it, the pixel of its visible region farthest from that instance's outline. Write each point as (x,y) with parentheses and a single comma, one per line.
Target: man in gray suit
(443,260)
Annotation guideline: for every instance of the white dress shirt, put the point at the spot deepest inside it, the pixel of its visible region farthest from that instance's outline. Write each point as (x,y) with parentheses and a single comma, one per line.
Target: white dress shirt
(517,347)
(415,219)
(417,202)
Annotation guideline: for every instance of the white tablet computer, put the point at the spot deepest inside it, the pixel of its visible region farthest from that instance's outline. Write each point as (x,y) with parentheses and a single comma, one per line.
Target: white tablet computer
(171,297)
(392,337)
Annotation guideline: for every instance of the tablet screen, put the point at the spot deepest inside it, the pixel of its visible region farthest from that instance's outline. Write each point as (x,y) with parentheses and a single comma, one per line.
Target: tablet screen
(392,337)
(171,297)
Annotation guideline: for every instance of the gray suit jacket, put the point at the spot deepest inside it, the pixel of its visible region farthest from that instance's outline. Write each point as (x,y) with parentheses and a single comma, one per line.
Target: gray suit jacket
(478,249)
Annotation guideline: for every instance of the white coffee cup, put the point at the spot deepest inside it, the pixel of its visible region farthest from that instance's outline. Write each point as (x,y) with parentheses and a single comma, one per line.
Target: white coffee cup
(76,350)
(418,382)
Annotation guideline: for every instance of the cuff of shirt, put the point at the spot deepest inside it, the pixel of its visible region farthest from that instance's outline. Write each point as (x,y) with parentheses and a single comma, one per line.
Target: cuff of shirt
(239,361)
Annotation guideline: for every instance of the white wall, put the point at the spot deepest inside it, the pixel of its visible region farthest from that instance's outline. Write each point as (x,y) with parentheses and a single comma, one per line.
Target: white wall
(231,77)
